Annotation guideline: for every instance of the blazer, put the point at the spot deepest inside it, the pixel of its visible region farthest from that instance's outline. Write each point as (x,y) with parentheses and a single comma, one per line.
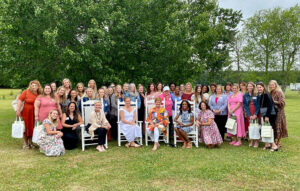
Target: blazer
(220,105)
(112,105)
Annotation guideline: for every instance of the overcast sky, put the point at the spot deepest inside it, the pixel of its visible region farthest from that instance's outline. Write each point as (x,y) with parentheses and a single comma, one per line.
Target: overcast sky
(249,7)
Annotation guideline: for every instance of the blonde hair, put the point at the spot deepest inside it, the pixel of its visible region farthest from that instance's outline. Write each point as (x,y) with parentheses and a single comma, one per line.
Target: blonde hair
(120,94)
(157,99)
(188,84)
(39,90)
(277,87)
(67,79)
(62,98)
(235,84)
(93,94)
(54,123)
(220,87)
(254,91)
(95,86)
(98,95)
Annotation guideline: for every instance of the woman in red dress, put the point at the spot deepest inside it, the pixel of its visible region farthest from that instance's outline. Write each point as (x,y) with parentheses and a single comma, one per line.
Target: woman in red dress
(28,96)
(187,95)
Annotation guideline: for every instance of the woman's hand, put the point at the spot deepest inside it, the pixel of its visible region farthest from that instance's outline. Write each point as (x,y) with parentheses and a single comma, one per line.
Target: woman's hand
(59,134)
(36,118)
(198,123)
(266,119)
(18,114)
(74,127)
(230,112)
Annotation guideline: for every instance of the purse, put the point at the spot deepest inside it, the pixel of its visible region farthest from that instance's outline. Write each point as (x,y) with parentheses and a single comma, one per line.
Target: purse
(231,123)
(263,110)
(266,130)
(18,128)
(14,103)
(254,130)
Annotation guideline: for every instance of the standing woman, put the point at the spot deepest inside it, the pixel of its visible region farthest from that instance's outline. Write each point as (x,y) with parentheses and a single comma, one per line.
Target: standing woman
(218,105)
(126,90)
(205,90)
(182,88)
(49,140)
(67,85)
(185,121)
(150,95)
(267,111)
(159,89)
(176,96)
(227,89)
(166,96)
(90,95)
(210,134)
(28,97)
(213,87)
(279,101)
(92,84)
(80,90)
(128,124)
(112,113)
(251,103)
(243,87)
(53,86)
(72,97)
(45,103)
(235,107)
(133,92)
(158,121)
(102,98)
(141,103)
(188,92)
(70,121)
(119,93)
(197,97)
(61,97)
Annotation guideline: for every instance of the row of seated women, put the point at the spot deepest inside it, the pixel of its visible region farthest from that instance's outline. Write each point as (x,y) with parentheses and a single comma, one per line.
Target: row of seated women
(244,102)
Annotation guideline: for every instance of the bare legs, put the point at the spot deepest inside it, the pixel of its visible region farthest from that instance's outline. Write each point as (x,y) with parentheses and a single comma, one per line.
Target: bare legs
(186,141)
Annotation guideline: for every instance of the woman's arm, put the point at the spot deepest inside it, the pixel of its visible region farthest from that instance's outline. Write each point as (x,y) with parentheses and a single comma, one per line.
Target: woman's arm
(122,118)
(19,104)
(37,104)
(208,123)
(50,132)
(63,122)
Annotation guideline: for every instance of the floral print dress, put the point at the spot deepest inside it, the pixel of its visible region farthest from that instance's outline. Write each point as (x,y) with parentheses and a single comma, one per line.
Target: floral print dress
(50,145)
(185,118)
(210,135)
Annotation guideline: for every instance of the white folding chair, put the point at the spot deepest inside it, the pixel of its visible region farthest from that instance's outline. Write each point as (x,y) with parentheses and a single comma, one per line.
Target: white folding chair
(86,108)
(121,136)
(193,135)
(149,105)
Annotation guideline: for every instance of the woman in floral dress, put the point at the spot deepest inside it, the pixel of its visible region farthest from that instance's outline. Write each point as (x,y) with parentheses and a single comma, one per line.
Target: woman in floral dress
(50,141)
(209,132)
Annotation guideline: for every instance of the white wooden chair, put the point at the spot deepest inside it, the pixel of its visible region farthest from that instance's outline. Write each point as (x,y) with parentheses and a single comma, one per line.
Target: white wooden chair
(193,135)
(149,105)
(121,136)
(86,108)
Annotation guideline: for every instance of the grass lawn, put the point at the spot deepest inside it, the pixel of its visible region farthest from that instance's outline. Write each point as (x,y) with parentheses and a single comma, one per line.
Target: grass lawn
(224,168)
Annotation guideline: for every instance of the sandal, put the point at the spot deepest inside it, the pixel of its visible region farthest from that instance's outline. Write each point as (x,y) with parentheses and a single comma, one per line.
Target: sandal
(136,145)
(267,147)
(26,147)
(272,149)
(32,146)
(189,145)
(184,145)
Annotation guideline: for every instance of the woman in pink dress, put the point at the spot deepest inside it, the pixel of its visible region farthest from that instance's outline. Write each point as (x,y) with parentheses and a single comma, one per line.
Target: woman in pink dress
(235,107)
(45,103)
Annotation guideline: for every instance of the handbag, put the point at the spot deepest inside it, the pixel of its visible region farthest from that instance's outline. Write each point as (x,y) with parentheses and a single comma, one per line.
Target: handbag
(37,132)
(266,130)
(263,110)
(268,139)
(18,128)
(254,129)
(231,122)
(14,103)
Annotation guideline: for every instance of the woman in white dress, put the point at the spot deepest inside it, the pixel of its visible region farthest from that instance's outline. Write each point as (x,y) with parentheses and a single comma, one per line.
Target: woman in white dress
(128,124)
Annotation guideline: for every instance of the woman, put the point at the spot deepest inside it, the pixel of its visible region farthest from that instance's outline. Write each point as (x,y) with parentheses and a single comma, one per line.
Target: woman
(279,101)
(28,97)
(172,87)
(251,103)
(243,87)
(188,92)
(210,134)
(126,90)
(105,90)
(50,141)
(119,93)
(80,90)
(213,87)
(72,97)
(128,124)
(182,88)
(90,95)
(159,89)
(70,121)
(67,85)
(112,116)
(150,95)
(166,97)
(235,107)
(92,84)
(102,98)
(205,90)
(99,125)
(133,92)
(53,86)
(197,97)
(227,89)
(158,122)
(176,96)
(218,105)
(185,121)
(61,97)
(141,103)
(267,111)
(45,103)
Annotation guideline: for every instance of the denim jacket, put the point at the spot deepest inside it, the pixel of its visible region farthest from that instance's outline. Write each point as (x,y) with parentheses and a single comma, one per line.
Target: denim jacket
(220,105)
(247,101)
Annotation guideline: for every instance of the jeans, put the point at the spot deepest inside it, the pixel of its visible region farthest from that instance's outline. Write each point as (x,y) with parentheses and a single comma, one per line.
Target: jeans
(154,135)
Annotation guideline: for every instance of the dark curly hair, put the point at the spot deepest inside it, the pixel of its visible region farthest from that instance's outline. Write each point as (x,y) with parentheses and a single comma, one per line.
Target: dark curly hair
(189,106)
(207,106)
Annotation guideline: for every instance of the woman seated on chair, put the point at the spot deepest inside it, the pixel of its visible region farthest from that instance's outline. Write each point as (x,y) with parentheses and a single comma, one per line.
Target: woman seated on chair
(70,121)
(49,140)
(128,123)
(209,132)
(185,121)
(98,124)
(158,121)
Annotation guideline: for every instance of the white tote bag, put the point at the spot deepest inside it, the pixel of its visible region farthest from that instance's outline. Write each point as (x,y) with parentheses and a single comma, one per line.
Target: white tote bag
(231,123)
(18,128)
(254,129)
(268,139)
(36,132)
(266,130)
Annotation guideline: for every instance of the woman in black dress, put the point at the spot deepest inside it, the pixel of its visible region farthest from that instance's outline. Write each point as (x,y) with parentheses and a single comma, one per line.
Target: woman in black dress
(70,121)
(141,103)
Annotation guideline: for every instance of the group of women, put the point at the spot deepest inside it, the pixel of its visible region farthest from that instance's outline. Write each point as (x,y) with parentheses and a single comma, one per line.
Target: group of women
(59,110)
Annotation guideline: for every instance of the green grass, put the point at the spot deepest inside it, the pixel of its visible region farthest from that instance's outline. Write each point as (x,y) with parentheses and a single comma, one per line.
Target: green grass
(225,168)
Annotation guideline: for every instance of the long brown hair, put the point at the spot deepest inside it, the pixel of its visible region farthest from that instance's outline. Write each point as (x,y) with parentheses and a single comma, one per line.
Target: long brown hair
(51,93)
(197,95)
(75,113)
